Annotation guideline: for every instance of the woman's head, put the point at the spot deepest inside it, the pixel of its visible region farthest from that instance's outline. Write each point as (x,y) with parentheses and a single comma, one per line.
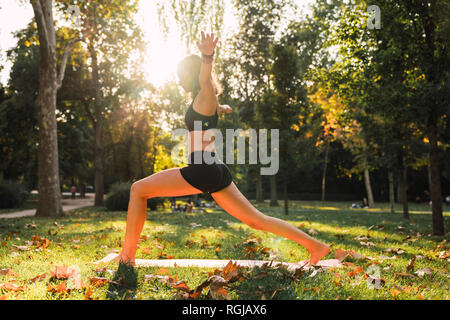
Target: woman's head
(188,72)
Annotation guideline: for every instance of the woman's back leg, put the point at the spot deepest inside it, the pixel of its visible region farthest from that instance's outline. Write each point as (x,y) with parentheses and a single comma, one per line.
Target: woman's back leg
(234,202)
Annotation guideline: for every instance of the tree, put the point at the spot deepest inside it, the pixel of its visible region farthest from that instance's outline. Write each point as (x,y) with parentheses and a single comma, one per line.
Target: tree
(251,58)
(399,74)
(191,17)
(49,198)
(417,33)
(110,34)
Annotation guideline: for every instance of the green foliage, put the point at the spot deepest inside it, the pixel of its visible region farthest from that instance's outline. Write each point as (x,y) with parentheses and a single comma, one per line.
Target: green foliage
(12,194)
(118,197)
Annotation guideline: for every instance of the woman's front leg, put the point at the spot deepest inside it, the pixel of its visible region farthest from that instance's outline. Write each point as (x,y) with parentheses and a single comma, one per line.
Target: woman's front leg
(137,211)
(166,183)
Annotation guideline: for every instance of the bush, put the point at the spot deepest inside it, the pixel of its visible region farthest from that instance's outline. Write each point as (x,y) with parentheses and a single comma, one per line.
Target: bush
(119,196)
(12,194)
(154,203)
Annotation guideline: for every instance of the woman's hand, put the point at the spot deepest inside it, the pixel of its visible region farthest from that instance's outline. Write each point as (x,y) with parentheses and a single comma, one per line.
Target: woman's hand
(224,109)
(207,44)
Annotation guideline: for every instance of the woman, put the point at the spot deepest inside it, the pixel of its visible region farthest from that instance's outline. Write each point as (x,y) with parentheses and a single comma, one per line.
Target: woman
(195,75)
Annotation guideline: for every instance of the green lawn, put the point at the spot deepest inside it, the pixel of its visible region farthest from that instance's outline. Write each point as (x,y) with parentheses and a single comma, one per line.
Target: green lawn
(86,235)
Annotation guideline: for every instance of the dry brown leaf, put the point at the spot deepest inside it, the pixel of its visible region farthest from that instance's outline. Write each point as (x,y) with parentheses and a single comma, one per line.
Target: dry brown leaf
(411,263)
(68,273)
(342,254)
(98,281)
(38,278)
(403,274)
(9,272)
(422,272)
(88,295)
(216,287)
(9,286)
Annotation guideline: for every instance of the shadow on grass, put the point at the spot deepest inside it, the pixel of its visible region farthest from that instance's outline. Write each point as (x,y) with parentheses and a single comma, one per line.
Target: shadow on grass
(124,284)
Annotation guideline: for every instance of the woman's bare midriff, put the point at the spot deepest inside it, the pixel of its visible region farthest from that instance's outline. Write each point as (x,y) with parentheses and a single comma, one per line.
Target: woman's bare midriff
(205,141)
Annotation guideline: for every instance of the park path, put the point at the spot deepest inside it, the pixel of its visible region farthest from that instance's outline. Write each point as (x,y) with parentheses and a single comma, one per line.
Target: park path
(68,204)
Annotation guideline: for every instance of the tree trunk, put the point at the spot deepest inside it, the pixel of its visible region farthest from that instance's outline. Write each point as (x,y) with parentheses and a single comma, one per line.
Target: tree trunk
(404,191)
(273,191)
(49,190)
(259,189)
(399,188)
(285,196)
(99,149)
(391,191)
(324,174)
(436,197)
(368,188)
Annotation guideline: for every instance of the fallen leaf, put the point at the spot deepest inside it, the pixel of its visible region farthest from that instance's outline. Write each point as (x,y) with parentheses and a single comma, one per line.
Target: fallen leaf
(11,287)
(355,271)
(395,292)
(68,273)
(216,287)
(9,272)
(88,295)
(38,278)
(98,281)
(341,254)
(403,274)
(21,248)
(59,289)
(163,271)
(422,272)
(366,243)
(411,263)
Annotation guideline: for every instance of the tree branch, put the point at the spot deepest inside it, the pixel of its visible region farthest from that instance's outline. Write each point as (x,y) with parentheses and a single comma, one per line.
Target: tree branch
(86,107)
(62,69)
(40,21)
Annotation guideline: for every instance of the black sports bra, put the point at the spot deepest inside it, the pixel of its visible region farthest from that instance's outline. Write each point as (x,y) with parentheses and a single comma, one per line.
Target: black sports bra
(208,122)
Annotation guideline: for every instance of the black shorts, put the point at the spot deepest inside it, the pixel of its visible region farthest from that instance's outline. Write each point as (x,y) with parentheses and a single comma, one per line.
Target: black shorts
(206,177)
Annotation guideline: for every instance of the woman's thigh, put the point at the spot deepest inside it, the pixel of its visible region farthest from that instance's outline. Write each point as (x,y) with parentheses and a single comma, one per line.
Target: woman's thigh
(166,183)
(236,204)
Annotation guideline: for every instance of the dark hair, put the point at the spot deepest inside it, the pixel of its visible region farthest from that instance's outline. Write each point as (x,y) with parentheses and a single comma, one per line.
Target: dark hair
(190,66)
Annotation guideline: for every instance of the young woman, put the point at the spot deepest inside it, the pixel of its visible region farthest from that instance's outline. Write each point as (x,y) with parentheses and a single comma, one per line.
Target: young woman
(196,76)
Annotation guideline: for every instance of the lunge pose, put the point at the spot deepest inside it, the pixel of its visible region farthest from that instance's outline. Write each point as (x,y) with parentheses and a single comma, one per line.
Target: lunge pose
(196,76)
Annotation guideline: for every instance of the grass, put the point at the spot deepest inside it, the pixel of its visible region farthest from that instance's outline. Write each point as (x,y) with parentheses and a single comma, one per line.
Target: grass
(86,235)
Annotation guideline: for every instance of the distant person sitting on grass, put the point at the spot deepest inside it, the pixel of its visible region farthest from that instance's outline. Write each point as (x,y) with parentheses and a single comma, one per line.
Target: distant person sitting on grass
(360,206)
(189,206)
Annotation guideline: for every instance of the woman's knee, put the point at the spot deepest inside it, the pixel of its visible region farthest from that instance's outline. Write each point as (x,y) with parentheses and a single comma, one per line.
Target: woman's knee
(138,190)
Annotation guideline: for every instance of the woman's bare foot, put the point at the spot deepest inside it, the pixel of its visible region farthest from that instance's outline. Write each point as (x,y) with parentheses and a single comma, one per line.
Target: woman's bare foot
(116,258)
(123,258)
(318,253)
